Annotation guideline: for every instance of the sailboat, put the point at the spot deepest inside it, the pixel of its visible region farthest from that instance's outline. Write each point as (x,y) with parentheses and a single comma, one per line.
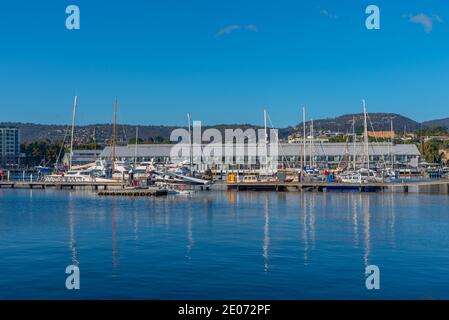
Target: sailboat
(74,175)
(364,174)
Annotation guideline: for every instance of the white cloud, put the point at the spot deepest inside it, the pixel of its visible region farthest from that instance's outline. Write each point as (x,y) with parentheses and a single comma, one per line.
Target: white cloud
(425,20)
(326,13)
(234,27)
(252,28)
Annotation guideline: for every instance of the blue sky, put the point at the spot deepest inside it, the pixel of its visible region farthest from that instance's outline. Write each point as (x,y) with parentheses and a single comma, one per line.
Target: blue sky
(223,61)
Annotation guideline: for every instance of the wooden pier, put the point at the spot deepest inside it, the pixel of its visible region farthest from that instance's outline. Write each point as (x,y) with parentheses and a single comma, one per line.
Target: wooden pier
(60,185)
(321,186)
(133,192)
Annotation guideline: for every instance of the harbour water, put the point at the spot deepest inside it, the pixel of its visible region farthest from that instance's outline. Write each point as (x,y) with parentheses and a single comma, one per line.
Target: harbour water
(224,245)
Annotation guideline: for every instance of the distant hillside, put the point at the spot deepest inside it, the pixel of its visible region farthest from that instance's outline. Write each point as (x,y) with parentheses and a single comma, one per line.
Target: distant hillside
(33,132)
(84,134)
(103,132)
(437,123)
(379,121)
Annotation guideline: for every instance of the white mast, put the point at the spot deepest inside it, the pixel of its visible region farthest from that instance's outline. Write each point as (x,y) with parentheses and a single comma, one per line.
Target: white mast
(366,134)
(301,154)
(135,147)
(190,144)
(304,136)
(311,143)
(95,143)
(354,143)
(73,133)
(266,139)
(391,145)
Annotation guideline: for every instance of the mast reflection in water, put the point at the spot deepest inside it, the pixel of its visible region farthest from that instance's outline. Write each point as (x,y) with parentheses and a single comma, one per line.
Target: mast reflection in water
(245,245)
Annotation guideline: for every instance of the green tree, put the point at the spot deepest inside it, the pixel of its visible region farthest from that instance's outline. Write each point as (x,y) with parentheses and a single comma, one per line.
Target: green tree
(43,152)
(432,151)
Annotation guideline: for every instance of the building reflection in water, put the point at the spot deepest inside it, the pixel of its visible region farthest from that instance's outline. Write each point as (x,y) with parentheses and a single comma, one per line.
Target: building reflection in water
(266,235)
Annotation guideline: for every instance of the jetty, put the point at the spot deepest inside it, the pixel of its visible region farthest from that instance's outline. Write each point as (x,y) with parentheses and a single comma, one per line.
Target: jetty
(441,184)
(60,185)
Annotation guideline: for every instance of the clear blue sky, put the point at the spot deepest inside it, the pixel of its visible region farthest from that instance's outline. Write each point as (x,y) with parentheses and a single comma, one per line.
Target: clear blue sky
(223,61)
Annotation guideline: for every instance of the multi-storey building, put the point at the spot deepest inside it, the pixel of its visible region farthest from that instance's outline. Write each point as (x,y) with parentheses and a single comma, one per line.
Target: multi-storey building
(9,147)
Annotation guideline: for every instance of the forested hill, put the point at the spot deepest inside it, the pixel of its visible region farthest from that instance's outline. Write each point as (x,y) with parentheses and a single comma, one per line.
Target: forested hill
(31,132)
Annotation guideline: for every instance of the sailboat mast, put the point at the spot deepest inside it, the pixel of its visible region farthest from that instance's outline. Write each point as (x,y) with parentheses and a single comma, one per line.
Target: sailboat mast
(135,147)
(266,139)
(301,154)
(392,145)
(94,137)
(190,144)
(365,122)
(304,136)
(354,144)
(114,136)
(73,133)
(311,143)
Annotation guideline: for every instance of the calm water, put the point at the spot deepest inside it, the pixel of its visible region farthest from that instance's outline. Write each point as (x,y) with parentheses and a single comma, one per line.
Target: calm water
(223,245)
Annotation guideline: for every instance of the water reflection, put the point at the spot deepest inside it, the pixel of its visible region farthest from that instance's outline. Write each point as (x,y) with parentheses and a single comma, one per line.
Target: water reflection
(114,235)
(355,220)
(367,225)
(308,224)
(307,238)
(135,221)
(72,241)
(304,230)
(190,240)
(392,220)
(266,235)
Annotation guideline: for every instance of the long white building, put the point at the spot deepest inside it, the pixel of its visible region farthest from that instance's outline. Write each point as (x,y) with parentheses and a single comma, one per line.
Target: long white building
(324,155)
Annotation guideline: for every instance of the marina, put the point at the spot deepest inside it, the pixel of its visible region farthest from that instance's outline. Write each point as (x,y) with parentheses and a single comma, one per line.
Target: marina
(224,159)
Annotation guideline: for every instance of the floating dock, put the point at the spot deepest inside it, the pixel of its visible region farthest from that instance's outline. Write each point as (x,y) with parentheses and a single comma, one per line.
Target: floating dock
(133,192)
